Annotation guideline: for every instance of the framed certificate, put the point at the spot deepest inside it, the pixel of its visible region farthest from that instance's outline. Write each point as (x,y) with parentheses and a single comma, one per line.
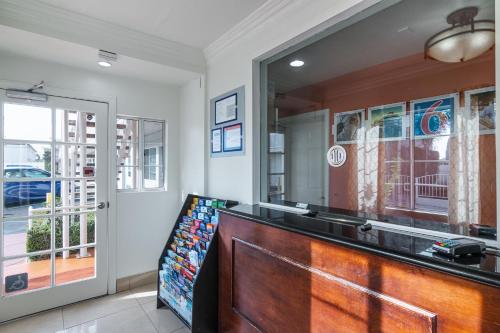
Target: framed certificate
(226,109)
(216,140)
(233,138)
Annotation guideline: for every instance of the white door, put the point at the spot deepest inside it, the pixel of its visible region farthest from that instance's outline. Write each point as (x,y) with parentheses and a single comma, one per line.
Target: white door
(306,145)
(53,190)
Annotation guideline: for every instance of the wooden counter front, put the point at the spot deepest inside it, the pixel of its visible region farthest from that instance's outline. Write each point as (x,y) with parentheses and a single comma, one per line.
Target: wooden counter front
(272,280)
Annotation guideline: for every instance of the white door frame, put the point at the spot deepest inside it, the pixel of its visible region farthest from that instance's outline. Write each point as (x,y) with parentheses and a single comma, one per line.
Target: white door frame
(325,113)
(111,162)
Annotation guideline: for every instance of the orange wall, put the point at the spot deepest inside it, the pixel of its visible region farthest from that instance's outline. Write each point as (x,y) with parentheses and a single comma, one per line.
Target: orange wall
(402,80)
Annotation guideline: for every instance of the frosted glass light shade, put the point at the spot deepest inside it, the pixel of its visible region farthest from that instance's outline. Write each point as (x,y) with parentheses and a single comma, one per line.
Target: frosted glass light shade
(461,43)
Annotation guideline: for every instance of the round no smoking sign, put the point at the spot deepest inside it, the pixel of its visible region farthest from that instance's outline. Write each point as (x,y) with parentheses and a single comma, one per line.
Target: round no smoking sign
(336,156)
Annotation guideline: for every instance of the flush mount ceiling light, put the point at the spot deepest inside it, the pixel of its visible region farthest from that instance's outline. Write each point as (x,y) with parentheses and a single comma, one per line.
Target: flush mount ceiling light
(106,58)
(297,63)
(464,40)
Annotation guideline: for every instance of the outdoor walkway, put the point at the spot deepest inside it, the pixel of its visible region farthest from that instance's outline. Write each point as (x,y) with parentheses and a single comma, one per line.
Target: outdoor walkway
(67,270)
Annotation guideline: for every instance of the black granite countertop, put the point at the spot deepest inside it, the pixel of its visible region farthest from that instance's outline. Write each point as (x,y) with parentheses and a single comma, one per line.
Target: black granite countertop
(402,246)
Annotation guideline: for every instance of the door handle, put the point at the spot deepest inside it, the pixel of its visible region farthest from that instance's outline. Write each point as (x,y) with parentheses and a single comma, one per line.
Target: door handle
(101,205)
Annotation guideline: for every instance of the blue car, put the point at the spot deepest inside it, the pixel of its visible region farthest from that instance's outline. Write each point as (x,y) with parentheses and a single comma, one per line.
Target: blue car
(22,193)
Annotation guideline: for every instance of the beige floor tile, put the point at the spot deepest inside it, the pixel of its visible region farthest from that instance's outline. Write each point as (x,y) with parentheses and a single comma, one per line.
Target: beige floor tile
(144,294)
(131,320)
(85,311)
(163,319)
(183,330)
(45,322)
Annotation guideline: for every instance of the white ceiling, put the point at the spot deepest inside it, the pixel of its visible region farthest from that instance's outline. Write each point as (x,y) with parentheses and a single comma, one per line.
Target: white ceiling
(20,42)
(395,32)
(195,23)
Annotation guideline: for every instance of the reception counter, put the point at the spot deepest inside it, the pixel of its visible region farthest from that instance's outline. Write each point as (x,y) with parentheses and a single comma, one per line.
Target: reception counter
(283,272)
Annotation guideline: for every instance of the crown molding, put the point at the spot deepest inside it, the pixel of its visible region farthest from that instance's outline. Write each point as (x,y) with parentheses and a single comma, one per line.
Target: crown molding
(44,19)
(249,23)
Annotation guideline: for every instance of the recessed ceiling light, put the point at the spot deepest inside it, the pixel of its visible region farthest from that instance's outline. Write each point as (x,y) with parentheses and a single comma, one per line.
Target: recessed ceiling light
(106,58)
(103,63)
(297,63)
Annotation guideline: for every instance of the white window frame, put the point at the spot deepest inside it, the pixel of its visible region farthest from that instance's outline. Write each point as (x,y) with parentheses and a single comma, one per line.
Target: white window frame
(140,168)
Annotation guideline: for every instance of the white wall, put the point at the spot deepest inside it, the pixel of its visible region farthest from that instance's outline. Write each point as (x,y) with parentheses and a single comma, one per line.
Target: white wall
(144,220)
(232,177)
(192,138)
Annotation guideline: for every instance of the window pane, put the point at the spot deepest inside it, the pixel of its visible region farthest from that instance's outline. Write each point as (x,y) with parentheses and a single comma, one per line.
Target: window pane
(75,126)
(22,122)
(153,154)
(418,134)
(127,154)
(75,195)
(73,160)
(34,160)
(127,178)
(26,235)
(75,265)
(73,230)
(127,129)
(26,198)
(153,177)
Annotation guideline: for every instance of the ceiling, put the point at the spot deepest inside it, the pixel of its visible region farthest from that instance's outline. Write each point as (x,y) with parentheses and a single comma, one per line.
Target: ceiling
(195,23)
(395,32)
(24,43)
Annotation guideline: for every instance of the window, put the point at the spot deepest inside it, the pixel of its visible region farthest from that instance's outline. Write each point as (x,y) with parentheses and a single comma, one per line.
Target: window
(135,170)
(418,133)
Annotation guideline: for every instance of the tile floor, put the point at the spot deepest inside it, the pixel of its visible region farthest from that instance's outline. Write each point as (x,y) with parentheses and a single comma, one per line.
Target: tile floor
(131,311)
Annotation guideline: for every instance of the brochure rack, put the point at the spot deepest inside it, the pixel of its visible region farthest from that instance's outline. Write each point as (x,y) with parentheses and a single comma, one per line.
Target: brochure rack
(190,290)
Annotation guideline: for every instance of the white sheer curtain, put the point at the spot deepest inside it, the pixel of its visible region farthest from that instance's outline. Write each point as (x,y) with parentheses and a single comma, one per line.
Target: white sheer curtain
(464,170)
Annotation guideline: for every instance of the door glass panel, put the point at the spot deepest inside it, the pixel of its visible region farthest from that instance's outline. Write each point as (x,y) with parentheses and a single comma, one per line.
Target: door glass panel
(23,122)
(75,233)
(77,159)
(25,236)
(31,159)
(76,195)
(26,198)
(26,273)
(79,128)
(75,266)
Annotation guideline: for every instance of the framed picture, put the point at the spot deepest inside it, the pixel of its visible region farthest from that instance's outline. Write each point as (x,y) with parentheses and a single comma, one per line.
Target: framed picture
(226,109)
(389,120)
(434,116)
(216,140)
(347,126)
(480,104)
(233,137)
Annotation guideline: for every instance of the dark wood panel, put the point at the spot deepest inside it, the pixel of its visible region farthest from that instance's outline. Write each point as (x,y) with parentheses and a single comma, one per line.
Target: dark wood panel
(299,298)
(460,305)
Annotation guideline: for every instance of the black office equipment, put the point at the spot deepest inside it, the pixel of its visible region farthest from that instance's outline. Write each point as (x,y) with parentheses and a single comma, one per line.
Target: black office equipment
(459,247)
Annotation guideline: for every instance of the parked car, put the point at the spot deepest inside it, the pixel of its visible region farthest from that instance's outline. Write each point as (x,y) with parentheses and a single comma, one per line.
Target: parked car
(26,192)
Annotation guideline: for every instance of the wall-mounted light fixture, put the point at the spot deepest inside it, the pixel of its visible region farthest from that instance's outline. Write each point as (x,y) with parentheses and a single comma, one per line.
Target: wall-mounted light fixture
(464,40)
